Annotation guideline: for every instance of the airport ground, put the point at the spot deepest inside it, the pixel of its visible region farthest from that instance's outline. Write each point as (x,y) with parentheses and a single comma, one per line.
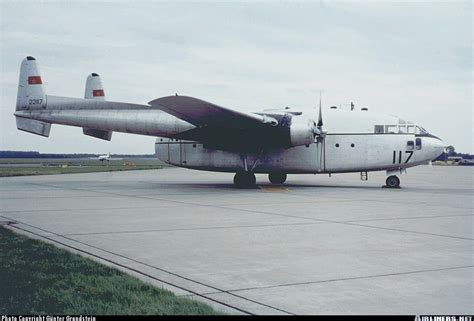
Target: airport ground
(41,279)
(317,245)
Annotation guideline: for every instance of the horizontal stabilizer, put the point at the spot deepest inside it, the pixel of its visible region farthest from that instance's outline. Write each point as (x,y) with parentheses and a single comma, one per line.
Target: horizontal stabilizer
(33,126)
(97,133)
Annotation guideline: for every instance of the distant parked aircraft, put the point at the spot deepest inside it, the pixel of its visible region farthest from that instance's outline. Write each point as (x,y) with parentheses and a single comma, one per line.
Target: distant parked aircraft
(105,157)
(201,135)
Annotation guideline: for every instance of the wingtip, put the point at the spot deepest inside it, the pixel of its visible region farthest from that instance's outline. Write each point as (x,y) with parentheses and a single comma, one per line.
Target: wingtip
(157,101)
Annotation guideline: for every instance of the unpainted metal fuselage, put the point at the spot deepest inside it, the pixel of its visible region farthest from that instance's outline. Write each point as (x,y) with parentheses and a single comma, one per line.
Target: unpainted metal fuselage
(350,145)
(352,141)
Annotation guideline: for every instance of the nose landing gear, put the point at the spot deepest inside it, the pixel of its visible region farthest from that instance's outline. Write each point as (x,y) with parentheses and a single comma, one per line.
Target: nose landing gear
(244,180)
(392,181)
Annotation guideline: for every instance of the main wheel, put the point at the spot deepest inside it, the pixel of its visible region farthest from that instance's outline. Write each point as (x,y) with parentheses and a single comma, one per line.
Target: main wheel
(393,181)
(244,180)
(277,178)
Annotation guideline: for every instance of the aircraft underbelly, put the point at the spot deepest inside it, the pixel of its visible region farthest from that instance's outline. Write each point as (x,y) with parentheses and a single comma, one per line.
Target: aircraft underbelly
(194,155)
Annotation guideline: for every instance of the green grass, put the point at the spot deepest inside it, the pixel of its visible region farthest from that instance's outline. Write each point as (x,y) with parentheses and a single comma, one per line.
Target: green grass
(39,278)
(28,171)
(27,167)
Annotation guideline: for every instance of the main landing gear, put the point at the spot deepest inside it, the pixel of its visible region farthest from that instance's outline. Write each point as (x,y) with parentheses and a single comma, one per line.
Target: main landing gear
(244,180)
(247,179)
(277,178)
(392,181)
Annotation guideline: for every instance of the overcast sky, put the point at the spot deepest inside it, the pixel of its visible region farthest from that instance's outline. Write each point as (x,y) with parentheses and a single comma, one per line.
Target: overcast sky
(411,59)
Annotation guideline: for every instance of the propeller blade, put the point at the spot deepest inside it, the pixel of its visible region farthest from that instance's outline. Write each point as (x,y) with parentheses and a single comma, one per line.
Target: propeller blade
(320,118)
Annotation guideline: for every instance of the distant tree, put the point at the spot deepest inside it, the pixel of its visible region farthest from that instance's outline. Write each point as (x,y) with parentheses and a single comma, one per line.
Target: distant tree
(450,150)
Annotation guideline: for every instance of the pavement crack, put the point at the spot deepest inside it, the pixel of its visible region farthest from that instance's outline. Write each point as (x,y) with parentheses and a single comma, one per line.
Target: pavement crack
(348,278)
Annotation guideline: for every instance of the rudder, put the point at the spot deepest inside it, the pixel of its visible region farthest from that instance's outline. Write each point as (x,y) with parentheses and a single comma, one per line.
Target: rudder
(31,96)
(94,87)
(95,90)
(31,93)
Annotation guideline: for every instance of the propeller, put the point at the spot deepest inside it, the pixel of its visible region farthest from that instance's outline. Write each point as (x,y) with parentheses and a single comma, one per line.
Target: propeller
(320,118)
(318,127)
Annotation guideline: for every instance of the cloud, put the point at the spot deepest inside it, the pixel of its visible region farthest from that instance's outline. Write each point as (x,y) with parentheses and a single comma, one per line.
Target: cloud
(404,58)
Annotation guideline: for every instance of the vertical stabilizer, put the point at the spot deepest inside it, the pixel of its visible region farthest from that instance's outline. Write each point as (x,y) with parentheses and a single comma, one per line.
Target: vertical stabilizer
(95,90)
(94,87)
(30,87)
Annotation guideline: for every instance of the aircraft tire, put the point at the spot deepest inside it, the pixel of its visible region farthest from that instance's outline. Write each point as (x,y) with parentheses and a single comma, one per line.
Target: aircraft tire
(392,181)
(277,178)
(245,180)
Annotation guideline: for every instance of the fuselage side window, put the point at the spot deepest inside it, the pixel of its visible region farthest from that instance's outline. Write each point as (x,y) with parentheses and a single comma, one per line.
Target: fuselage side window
(410,145)
(418,143)
(378,129)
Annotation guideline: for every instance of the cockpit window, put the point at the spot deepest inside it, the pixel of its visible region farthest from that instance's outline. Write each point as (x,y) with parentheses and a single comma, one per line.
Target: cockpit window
(402,127)
(378,129)
(405,127)
(410,145)
(391,129)
(420,130)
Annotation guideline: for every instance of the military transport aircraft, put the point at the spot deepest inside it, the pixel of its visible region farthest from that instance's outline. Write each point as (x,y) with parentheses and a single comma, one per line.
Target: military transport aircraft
(196,134)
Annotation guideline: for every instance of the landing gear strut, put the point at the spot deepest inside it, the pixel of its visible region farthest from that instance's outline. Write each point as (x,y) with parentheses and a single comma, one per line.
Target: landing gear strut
(392,182)
(277,178)
(244,180)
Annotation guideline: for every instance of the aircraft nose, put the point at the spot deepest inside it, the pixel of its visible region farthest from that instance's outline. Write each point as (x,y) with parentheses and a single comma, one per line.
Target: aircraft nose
(438,147)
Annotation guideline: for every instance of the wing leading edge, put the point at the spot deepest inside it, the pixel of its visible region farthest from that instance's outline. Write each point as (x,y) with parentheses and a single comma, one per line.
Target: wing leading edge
(204,114)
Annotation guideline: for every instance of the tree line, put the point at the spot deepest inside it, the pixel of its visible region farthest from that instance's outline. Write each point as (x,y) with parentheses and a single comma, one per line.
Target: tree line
(35,154)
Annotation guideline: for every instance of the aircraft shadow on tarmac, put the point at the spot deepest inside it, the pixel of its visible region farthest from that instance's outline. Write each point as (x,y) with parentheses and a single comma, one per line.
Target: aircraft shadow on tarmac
(267,185)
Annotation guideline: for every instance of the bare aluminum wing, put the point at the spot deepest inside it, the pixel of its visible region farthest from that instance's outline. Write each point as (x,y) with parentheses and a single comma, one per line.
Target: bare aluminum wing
(202,113)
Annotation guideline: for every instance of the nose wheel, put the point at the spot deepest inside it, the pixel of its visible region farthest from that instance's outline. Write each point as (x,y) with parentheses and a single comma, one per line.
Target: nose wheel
(277,178)
(244,180)
(392,182)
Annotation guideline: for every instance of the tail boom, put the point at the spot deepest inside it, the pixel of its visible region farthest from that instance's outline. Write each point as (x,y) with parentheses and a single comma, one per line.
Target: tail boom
(36,111)
(103,116)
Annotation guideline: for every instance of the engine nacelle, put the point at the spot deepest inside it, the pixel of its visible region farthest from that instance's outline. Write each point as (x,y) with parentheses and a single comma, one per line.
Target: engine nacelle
(301,131)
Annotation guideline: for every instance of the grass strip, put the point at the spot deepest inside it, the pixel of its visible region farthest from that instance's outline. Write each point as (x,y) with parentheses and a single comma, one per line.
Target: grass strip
(39,278)
(28,171)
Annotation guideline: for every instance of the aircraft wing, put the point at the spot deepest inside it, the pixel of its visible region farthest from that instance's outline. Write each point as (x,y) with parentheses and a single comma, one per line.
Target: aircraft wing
(204,114)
